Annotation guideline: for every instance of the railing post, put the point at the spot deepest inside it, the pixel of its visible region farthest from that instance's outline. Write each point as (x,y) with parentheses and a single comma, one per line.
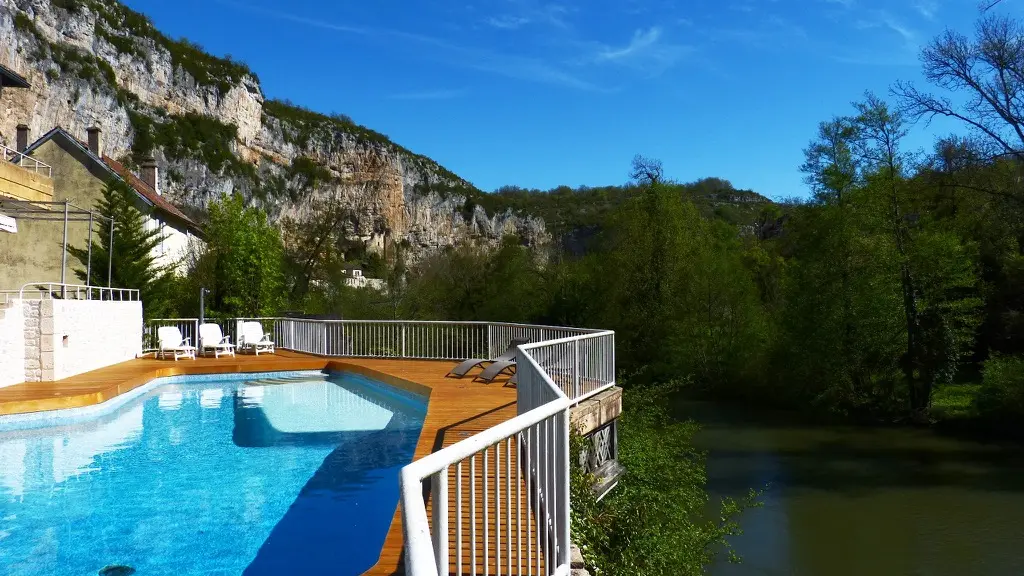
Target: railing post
(439,494)
(562,513)
(403,340)
(324,325)
(576,370)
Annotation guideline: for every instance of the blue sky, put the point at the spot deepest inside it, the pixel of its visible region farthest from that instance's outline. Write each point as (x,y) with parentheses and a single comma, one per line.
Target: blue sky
(539,94)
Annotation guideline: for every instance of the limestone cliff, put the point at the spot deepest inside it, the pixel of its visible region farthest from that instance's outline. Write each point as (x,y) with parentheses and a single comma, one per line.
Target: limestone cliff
(205,119)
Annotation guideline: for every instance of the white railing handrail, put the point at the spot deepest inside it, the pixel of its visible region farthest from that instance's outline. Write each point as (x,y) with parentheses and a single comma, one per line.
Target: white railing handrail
(46,290)
(435,322)
(14,157)
(595,334)
(436,461)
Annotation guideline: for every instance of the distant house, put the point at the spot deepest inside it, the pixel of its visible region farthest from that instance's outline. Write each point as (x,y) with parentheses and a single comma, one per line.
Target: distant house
(354,278)
(79,172)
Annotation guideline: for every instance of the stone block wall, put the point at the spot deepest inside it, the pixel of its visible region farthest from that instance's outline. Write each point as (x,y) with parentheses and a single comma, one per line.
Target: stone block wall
(12,344)
(33,368)
(54,339)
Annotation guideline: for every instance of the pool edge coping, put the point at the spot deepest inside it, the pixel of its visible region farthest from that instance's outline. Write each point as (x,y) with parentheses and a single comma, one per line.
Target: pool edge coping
(119,392)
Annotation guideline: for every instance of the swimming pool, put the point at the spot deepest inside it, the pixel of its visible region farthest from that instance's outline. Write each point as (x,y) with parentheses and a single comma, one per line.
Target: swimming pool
(281,474)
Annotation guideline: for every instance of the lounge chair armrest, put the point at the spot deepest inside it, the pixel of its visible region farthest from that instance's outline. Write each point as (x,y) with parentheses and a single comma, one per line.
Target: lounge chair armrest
(186,341)
(225,340)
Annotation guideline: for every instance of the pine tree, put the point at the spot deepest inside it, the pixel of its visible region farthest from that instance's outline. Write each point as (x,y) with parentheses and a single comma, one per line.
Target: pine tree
(133,263)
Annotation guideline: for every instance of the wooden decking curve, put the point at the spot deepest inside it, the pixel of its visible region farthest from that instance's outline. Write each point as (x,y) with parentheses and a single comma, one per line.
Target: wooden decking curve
(458,408)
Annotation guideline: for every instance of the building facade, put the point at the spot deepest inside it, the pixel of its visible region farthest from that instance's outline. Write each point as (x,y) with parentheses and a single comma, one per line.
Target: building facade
(79,173)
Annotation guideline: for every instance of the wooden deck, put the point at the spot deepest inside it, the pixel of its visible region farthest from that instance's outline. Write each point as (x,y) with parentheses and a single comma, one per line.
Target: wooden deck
(458,408)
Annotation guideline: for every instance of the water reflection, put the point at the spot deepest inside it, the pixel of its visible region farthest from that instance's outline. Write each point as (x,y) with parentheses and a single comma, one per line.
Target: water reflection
(852,501)
(315,407)
(211,398)
(33,458)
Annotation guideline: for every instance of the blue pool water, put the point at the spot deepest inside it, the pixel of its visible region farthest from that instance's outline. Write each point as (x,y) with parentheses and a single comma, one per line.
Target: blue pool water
(294,475)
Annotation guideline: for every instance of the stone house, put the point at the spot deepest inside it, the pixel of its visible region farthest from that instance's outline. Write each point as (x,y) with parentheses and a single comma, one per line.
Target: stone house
(79,173)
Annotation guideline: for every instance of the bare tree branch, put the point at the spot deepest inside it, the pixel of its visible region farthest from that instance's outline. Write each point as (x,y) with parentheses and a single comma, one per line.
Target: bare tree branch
(987,75)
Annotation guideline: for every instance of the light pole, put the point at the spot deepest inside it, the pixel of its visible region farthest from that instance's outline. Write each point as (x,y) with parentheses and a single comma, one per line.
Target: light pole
(202,304)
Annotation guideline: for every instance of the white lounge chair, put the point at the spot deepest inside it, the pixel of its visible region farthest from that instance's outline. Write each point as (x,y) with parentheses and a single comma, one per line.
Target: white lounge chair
(253,338)
(211,338)
(171,342)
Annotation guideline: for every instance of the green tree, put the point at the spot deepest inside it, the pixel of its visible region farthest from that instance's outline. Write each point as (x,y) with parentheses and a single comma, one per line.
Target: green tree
(133,264)
(935,267)
(242,263)
(675,287)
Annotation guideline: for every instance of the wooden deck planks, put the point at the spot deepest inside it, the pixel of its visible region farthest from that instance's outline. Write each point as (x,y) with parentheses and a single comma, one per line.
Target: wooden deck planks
(458,408)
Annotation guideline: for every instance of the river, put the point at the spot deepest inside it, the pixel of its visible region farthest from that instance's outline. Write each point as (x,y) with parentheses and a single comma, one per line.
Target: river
(858,501)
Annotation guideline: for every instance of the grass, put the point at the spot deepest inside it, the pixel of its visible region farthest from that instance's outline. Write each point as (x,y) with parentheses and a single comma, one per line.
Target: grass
(955,401)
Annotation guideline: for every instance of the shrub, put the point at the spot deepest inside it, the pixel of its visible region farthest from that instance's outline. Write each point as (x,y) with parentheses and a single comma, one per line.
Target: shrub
(625,533)
(1001,399)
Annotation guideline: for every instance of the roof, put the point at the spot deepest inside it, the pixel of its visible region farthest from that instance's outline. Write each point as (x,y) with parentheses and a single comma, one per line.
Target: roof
(11,78)
(121,172)
(158,201)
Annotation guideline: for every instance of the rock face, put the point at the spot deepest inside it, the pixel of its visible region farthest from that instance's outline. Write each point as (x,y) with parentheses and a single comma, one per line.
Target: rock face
(206,121)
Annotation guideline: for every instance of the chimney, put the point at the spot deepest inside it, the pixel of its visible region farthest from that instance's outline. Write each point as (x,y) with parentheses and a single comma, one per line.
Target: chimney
(94,140)
(22,137)
(149,174)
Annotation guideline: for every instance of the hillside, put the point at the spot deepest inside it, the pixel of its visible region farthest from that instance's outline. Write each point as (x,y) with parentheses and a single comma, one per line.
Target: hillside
(212,131)
(575,214)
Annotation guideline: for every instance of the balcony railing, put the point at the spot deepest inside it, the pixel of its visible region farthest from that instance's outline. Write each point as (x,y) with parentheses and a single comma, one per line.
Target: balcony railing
(26,162)
(499,500)
(58,291)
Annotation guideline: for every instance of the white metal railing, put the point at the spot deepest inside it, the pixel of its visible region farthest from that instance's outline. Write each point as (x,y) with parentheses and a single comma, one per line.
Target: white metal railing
(189,328)
(26,162)
(499,500)
(58,291)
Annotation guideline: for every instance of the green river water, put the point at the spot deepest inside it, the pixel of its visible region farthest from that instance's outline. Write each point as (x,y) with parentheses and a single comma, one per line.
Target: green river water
(864,502)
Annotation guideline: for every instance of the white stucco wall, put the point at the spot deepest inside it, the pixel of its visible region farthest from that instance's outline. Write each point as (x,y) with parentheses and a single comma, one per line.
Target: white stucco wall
(174,245)
(77,336)
(12,344)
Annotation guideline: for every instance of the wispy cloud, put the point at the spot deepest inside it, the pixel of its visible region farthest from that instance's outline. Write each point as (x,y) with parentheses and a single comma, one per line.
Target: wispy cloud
(768,33)
(927,8)
(526,68)
(648,51)
(880,51)
(429,95)
(280,15)
(537,12)
(908,34)
(507,22)
(642,41)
